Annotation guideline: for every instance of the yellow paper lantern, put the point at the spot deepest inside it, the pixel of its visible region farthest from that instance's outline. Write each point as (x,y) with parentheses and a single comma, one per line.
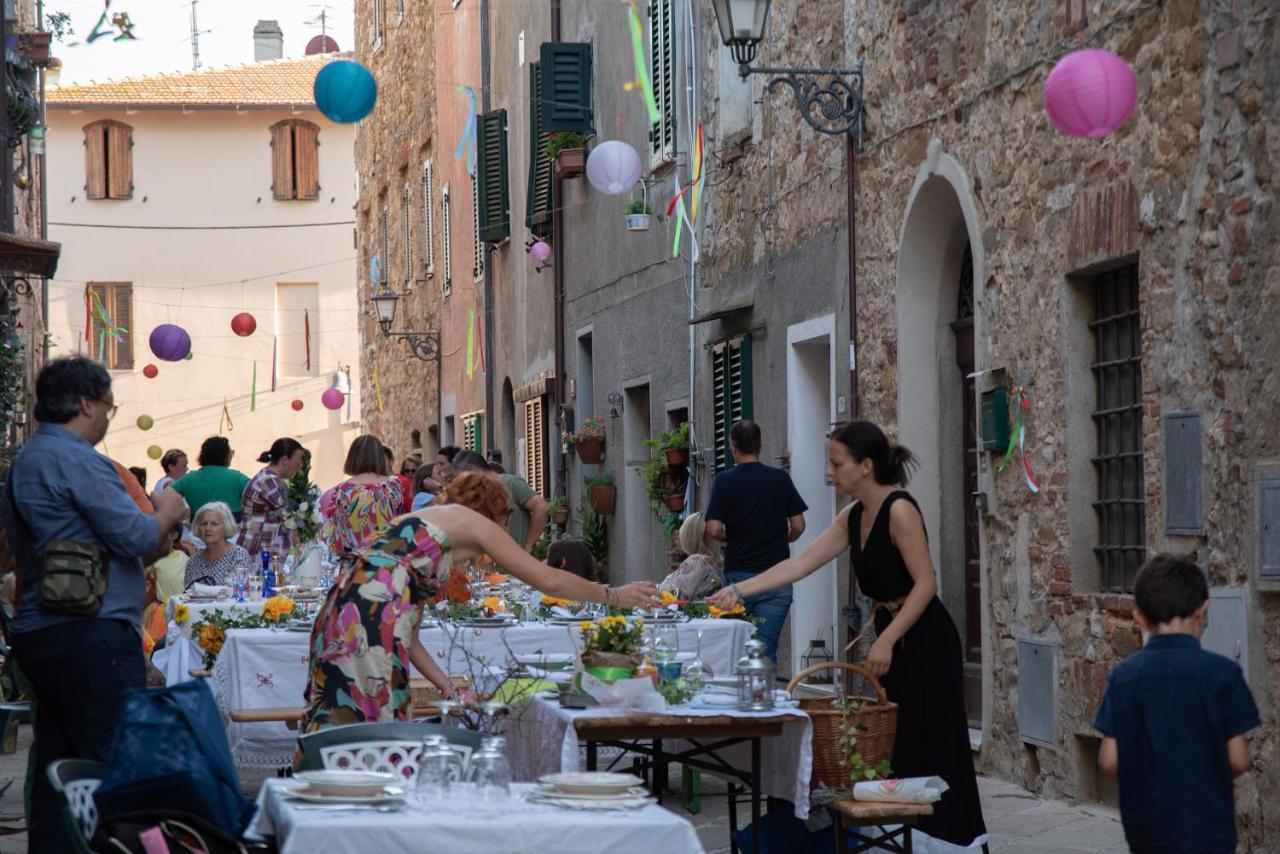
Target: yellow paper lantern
(155,452)
(145,422)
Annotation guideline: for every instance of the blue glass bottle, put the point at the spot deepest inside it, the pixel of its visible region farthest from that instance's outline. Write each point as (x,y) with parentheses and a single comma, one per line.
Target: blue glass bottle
(268,577)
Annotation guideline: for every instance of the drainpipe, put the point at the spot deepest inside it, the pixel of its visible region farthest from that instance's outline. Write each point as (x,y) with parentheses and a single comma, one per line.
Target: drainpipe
(851,206)
(6,157)
(557,276)
(488,253)
(44,199)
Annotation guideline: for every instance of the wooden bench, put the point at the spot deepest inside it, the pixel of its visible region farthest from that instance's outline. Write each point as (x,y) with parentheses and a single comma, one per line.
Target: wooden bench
(852,816)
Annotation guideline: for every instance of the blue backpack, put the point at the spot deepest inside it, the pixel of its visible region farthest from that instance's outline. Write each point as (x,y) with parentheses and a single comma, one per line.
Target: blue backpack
(170,752)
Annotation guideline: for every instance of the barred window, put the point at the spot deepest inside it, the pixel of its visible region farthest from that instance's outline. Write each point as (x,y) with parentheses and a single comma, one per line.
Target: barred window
(384,260)
(1117,418)
(428,220)
(477,252)
(406,214)
(446,241)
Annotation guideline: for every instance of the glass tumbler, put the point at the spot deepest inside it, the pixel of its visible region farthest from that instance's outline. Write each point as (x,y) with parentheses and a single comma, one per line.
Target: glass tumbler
(490,772)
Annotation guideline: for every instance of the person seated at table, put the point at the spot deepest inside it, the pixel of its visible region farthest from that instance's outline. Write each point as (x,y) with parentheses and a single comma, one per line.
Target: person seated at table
(366,632)
(170,571)
(572,555)
(216,563)
(425,488)
(700,572)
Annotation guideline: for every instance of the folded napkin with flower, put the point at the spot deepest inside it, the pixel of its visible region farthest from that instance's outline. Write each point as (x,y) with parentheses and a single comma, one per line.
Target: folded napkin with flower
(209,591)
(717,697)
(912,790)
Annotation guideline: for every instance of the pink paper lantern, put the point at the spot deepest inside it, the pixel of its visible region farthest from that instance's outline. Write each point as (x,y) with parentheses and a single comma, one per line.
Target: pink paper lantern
(1090,93)
(541,251)
(332,399)
(170,342)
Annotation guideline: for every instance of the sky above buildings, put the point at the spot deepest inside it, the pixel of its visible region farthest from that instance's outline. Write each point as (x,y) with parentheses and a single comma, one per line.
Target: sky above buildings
(163,30)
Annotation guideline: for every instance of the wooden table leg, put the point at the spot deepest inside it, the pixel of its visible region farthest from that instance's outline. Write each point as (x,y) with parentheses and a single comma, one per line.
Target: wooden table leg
(659,770)
(755,794)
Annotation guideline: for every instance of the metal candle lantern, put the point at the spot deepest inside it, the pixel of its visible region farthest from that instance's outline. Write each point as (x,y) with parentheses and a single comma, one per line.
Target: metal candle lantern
(817,654)
(755,672)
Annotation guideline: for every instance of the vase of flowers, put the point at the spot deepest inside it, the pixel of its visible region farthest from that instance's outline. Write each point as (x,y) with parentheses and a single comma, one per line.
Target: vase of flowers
(303,519)
(611,647)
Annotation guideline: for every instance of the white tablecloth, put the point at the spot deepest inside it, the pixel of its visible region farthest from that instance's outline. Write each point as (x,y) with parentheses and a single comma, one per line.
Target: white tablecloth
(786,761)
(267,668)
(515,826)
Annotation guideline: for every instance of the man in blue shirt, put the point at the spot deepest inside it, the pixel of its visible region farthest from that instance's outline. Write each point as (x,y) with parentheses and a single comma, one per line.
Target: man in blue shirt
(1173,720)
(757,511)
(60,488)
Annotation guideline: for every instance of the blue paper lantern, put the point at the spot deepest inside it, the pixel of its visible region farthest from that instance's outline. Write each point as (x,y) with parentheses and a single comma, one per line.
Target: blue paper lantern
(170,342)
(345,91)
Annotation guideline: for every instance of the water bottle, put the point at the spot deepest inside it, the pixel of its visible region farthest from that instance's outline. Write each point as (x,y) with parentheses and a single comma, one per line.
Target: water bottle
(268,577)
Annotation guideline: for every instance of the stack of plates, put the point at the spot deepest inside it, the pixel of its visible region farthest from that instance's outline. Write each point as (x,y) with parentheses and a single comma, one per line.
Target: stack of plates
(338,786)
(498,620)
(591,790)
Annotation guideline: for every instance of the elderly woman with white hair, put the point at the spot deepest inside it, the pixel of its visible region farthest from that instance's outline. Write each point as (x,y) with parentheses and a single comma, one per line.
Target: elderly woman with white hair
(700,573)
(217,562)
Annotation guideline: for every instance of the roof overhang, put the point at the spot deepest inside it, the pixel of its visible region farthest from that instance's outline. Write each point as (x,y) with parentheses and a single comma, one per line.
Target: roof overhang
(745,303)
(26,255)
(174,106)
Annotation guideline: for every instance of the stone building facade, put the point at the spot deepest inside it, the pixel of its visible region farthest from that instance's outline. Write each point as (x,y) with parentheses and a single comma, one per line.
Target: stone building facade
(397,213)
(975,217)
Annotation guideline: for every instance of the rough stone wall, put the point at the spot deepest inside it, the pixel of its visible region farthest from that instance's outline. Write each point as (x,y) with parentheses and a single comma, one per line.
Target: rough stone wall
(391,145)
(1186,186)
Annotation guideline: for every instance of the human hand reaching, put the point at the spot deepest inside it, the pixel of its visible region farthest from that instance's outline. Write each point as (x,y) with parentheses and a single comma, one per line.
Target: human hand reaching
(725,598)
(637,594)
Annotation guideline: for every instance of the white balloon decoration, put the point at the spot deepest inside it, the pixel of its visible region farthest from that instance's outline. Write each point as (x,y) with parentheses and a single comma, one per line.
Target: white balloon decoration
(613,167)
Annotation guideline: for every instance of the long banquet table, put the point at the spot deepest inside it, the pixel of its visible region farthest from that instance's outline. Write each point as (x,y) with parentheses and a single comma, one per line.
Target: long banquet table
(267,668)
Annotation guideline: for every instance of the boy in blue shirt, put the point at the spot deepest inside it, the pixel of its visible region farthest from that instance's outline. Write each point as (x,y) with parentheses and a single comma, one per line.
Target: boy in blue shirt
(1173,720)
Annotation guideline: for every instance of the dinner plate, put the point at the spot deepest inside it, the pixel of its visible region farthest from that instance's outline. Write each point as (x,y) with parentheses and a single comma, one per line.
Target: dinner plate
(547,661)
(590,782)
(387,795)
(345,782)
(548,791)
(487,622)
(628,803)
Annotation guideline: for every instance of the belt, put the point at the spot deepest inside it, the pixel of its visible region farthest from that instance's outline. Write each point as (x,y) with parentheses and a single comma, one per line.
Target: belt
(893,606)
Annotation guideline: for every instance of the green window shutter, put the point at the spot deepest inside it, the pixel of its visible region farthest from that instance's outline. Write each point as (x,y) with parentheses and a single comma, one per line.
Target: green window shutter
(473,432)
(662,133)
(731,393)
(491,172)
(566,88)
(537,211)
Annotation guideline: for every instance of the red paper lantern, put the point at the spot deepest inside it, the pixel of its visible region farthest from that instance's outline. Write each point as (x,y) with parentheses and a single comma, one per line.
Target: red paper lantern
(150,372)
(243,324)
(297,406)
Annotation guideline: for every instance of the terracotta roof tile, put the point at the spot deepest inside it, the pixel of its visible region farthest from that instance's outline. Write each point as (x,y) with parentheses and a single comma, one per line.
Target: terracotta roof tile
(281,82)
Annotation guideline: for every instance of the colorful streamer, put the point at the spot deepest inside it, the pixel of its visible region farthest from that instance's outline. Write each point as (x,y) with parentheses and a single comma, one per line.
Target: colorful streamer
(1018,437)
(643,81)
(253,389)
(466,145)
(306,328)
(377,388)
(225,421)
(274,342)
(480,363)
(471,342)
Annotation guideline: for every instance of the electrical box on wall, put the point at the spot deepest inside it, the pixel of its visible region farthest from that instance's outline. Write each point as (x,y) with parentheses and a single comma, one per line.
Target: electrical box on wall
(994,419)
(1037,691)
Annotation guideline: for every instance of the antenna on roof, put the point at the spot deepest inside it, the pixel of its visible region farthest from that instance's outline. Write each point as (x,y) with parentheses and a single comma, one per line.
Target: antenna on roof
(321,20)
(196,32)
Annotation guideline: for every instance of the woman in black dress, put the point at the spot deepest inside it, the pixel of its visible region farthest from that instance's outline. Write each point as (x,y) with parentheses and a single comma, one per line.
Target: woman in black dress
(917,653)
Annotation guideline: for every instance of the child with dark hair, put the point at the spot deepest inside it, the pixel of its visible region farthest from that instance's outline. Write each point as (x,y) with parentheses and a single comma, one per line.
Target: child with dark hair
(572,555)
(1173,720)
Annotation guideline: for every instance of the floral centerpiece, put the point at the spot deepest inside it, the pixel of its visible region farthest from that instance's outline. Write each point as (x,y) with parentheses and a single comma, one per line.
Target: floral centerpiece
(611,646)
(548,603)
(210,632)
(303,519)
(697,610)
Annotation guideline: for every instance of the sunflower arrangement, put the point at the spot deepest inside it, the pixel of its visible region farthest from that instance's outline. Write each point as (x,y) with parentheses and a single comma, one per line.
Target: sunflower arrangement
(181,614)
(211,638)
(612,641)
(277,609)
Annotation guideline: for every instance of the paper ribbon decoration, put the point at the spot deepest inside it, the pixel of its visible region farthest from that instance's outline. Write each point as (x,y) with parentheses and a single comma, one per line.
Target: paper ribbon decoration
(225,420)
(696,183)
(1018,437)
(274,341)
(471,342)
(643,81)
(377,387)
(466,145)
(480,364)
(306,327)
(253,389)
(109,328)
(682,219)
(102,29)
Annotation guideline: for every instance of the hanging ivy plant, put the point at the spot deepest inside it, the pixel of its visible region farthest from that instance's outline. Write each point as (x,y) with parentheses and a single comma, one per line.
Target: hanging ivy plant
(13,368)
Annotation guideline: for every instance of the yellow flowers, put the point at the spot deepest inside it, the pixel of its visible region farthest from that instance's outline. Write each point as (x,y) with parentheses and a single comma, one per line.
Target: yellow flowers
(211,639)
(612,634)
(730,612)
(493,604)
(277,608)
(586,626)
(556,601)
(669,598)
(181,613)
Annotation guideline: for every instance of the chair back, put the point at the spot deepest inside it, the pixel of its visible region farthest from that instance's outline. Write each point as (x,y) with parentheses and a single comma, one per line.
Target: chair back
(391,747)
(75,781)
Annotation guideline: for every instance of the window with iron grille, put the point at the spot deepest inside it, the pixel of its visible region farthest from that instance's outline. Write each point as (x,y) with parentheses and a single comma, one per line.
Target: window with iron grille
(730,392)
(446,242)
(112,346)
(1117,418)
(428,220)
(379,17)
(477,251)
(384,261)
(406,213)
(535,464)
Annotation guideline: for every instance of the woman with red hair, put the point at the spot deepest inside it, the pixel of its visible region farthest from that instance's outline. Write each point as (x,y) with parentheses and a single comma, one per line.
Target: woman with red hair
(366,633)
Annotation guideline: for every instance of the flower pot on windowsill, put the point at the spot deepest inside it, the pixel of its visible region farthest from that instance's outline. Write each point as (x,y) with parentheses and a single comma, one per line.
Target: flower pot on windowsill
(670,479)
(638,222)
(677,456)
(570,162)
(560,516)
(674,502)
(590,450)
(603,498)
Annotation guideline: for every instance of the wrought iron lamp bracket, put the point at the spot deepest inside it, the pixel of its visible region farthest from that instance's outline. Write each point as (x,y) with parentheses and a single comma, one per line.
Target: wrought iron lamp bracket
(830,100)
(423,345)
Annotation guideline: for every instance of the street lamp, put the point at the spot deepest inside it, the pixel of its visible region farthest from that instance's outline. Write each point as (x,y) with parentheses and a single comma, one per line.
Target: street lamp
(423,345)
(830,100)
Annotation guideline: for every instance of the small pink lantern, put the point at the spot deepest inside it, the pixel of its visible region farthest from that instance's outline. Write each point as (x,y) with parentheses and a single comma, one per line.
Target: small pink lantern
(541,251)
(1090,93)
(332,398)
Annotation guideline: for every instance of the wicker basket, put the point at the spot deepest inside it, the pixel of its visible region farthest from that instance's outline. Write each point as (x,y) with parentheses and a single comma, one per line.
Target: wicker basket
(875,742)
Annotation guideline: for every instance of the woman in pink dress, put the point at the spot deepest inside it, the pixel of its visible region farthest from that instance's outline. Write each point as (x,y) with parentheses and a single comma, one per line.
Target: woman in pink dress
(365,503)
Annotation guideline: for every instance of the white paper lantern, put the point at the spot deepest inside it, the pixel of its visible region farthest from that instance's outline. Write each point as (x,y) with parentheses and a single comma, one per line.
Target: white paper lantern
(613,167)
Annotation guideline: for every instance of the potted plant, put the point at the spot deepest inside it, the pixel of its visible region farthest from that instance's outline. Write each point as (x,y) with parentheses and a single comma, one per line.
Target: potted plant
(638,215)
(559,511)
(588,439)
(674,501)
(611,647)
(602,493)
(568,154)
(595,535)
(675,444)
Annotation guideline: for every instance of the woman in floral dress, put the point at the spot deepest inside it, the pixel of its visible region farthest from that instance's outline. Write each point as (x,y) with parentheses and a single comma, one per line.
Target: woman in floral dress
(366,633)
(266,501)
(364,504)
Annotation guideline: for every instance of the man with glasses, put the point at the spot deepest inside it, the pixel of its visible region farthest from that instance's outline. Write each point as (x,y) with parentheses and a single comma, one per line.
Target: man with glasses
(80,667)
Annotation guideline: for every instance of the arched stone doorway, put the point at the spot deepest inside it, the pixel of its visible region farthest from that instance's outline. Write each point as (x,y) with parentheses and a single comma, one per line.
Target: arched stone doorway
(940,347)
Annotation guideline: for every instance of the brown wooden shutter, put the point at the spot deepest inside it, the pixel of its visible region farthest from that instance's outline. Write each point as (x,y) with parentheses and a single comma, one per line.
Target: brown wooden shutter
(95,320)
(122,313)
(282,161)
(534,440)
(95,160)
(306,155)
(119,161)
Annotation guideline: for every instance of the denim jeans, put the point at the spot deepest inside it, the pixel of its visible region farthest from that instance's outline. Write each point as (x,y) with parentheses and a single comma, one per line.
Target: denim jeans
(770,607)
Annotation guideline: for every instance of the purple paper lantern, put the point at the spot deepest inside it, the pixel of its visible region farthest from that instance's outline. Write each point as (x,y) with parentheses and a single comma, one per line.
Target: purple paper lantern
(1090,93)
(541,251)
(332,398)
(170,342)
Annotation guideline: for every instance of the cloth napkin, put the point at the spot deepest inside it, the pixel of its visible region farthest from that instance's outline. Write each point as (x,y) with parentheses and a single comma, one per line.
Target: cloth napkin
(209,590)
(913,790)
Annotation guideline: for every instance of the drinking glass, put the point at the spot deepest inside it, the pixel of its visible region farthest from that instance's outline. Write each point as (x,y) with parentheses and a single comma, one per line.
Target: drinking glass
(255,583)
(695,672)
(240,583)
(490,772)
(666,641)
(432,780)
